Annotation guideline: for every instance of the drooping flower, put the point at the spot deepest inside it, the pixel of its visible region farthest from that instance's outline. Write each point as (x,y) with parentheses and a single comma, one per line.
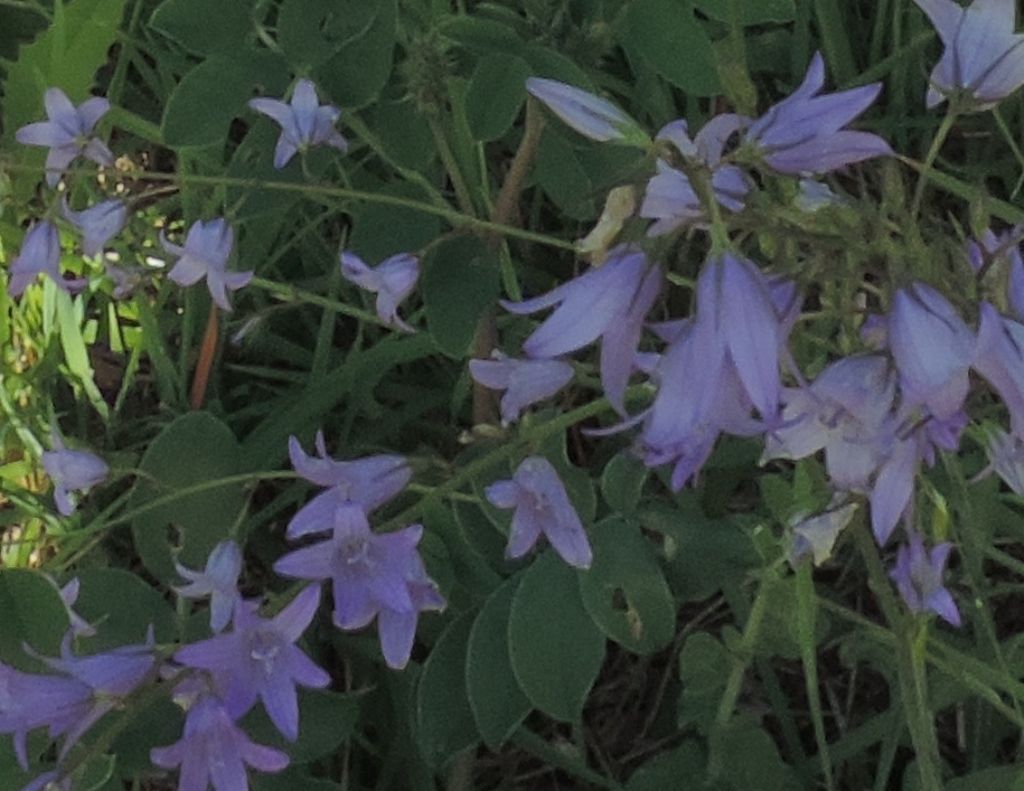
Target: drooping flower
(984,59)
(67,133)
(1001,248)
(207,248)
(71,471)
(98,224)
(804,132)
(392,280)
(304,122)
(918,576)
(999,358)
(817,535)
(670,198)
(258,660)
(610,302)
(219,581)
(69,595)
(368,483)
(525,382)
(933,348)
(373,576)
(213,750)
(542,507)
(39,255)
(588,114)
(1006,457)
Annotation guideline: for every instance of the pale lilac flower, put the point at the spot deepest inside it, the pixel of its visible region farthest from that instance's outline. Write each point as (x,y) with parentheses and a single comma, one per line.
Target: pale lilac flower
(918,576)
(999,358)
(258,660)
(814,196)
(71,471)
(39,255)
(817,535)
(609,302)
(588,114)
(983,59)
(126,279)
(804,132)
(991,248)
(368,483)
(374,576)
(1006,457)
(933,348)
(69,595)
(207,248)
(98,224)
(67,133)
(525,382)
(304,122)
(213,750)
(542,506)
(219,581)
(392,280)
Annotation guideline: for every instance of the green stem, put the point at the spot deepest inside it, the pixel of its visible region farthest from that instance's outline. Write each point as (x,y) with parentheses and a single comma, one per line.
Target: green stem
(532,743)
(806,616)
(1014,147)
(933,152)
(289,293)
(451,166)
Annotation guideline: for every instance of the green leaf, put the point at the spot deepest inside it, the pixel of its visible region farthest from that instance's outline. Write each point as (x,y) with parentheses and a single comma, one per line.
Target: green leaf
(205,28)
(752,12)
(671,38)
(754,762)
(556,649)
(497,702)
(360,67)
(122,607)
(624,590)
(496,92)
(195,449)
(380,230)
(702,664)
(665,770)
(33,614)
(460,282)
(564,178)
(326,719)
(444,720)
(483,35)
(76,355)
(622,482)
(210,96)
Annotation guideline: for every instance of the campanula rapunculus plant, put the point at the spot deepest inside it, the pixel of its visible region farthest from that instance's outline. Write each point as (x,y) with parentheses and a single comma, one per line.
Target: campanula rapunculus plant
(214,751)
(98,224)
(392,280)
(542,507)
(588,114)
(373,576)
(304,122)
(67,133)
(1006,458)
(207,249)
(39,255)
(804,132)
(984,59)
(71,471)
(258,660)
(218,581)
(999,358)
(367,483)
(525,382)
(918,576)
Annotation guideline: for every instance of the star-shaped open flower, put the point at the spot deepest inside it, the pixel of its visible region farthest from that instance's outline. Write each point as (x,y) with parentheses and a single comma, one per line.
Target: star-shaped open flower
(219,581)
(542,506)
(984,59)
(304,122)
(67,133)
(392,280)
(918,576)
(525,382)
(258,660)
(206,252)
(39,255)
(98,224)
(71,471)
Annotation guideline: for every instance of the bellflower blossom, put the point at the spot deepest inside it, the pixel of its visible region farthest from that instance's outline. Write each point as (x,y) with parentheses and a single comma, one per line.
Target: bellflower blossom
(588,114)
(817,535)
(258,660)
(918,576)
(541,507)
(609,302)
(670,198)
(71,471)
(392,280)
(67,133)
(367,483)
(804,132)
(1006,458)
(69,595)
(219,581)
(39,255)
(999,358)
(983,59)
(933,349)
(98,224)
(373,576)
(207,248)
(304,122)
(1004,247)
(525,382)
(213,750)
